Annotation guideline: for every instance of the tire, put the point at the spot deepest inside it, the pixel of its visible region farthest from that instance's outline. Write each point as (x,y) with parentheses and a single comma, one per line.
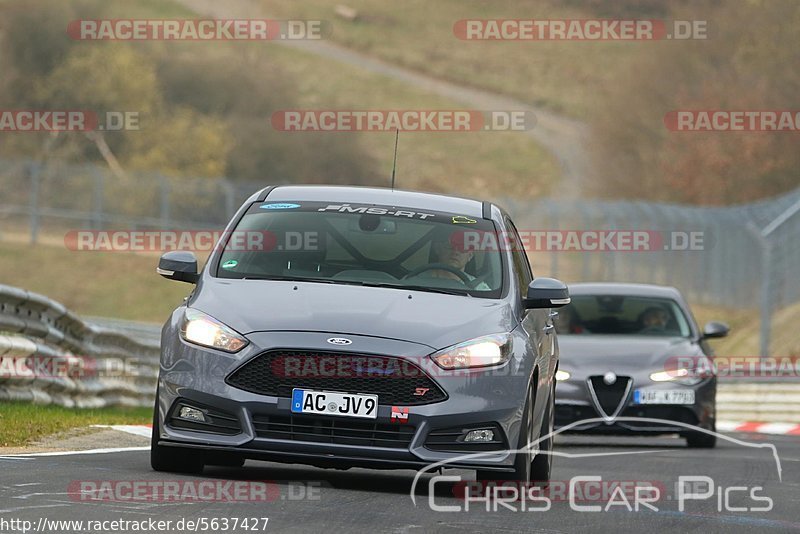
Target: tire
(172,459)
(701,440)
(542,464)
(522,461)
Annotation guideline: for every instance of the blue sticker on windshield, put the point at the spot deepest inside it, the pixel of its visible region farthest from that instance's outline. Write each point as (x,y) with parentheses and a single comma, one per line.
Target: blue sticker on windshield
(279,206)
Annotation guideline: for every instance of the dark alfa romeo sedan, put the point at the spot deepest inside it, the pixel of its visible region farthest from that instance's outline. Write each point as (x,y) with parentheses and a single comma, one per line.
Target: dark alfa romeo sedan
(347,326)
(633,360)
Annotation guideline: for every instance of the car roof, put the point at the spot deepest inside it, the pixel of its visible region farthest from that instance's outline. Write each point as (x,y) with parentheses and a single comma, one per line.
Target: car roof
(374,195)
(637,290)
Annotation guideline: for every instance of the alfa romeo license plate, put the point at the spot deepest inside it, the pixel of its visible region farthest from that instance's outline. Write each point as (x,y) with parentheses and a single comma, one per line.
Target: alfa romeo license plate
(663,396)
(332,403)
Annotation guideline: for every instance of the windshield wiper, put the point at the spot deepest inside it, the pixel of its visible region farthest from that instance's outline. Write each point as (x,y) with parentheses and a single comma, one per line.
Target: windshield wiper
(418,288)
(282,278)
(429,289)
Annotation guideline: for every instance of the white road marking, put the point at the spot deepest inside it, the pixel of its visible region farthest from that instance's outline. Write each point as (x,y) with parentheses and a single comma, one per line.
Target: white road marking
(136,430)
(29,455)
(758,428)
(776,428)
(28,495)
(23,508)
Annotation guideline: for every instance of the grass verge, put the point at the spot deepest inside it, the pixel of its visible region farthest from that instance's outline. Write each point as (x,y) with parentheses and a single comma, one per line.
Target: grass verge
(24,423)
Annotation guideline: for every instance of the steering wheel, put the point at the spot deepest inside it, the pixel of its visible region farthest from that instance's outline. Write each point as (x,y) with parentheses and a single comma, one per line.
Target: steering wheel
(652,330)
(443,267)
(478,280)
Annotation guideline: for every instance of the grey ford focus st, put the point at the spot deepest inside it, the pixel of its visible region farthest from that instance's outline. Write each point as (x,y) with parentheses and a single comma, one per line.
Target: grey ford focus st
(360,327)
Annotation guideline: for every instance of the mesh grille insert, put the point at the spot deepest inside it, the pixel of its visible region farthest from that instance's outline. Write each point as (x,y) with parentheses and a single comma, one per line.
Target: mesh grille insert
(395,380)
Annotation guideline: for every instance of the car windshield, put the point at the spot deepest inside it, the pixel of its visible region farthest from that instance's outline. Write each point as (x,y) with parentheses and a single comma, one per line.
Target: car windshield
(364,245)
(622,315)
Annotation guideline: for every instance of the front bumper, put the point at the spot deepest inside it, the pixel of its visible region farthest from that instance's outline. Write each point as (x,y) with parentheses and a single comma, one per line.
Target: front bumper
(197,376)
(575,404)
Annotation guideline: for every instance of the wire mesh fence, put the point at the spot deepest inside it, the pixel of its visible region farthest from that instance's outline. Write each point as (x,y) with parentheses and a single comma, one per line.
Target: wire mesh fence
(742,257)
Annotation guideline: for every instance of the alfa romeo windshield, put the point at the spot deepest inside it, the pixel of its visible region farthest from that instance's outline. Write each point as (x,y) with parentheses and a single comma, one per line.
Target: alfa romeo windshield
(626,315)
(372,245)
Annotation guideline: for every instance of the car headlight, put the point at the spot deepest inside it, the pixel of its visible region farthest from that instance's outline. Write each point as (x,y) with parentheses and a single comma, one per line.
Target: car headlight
(680,375)
(202,329)
(562,375)
(483,351)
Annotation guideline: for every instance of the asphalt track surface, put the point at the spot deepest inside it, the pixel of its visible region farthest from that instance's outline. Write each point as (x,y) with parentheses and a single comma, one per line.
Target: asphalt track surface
(308,499)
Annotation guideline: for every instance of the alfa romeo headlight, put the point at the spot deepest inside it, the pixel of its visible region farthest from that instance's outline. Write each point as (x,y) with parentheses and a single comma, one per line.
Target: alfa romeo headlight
(680,375)
(562,375)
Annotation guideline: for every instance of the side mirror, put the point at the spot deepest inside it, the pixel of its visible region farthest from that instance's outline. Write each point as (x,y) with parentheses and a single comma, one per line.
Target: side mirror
(715,329)
(547,293)
(179,265)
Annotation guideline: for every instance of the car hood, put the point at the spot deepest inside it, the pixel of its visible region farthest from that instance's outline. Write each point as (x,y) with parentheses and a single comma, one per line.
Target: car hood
(432,319)
(591,354)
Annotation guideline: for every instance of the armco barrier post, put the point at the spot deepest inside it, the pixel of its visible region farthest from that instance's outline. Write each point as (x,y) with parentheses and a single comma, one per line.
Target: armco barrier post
(35,171)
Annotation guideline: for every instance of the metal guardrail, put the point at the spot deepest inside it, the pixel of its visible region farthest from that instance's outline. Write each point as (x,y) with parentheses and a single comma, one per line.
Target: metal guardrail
(770,402)
(49,355)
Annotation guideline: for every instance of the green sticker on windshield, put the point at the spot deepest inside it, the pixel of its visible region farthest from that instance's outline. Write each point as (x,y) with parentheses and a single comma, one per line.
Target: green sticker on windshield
(460,219)
(230,264)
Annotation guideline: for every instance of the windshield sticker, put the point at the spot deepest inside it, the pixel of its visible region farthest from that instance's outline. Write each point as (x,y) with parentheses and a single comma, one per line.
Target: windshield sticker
(230,264)
(372,210)
(460,219)
(279,206)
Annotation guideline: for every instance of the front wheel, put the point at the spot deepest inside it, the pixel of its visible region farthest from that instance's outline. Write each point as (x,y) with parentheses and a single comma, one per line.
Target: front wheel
(523,461)
(543,462)
(172,459)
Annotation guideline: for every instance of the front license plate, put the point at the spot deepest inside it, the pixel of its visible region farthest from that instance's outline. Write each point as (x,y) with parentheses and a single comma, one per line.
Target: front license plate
(663,396)
(331,403)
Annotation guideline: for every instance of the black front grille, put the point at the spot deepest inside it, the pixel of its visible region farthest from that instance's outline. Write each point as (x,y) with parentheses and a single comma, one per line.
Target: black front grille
(395,380)
(609,396)
(333,430)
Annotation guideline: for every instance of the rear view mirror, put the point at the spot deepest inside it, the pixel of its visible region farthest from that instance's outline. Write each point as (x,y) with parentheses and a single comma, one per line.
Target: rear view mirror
(715,329)
(547,293)
(372,224)
(179,265)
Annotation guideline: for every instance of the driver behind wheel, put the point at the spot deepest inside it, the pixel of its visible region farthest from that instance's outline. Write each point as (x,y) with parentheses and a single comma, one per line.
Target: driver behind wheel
(443,251)
(653,320)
